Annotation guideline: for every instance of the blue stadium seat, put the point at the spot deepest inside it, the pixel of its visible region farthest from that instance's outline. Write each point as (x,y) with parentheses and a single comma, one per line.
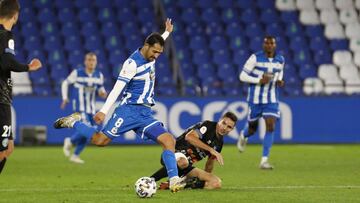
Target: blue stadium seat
(109,29)
(144,4)
(46,15)
(30,29)
(265,4)
(249,16)
(70,29)
(53,43)
(42,90)
(27,14)
(133,42)
(145,15)
(49,29)
(64,4)
(302,56)
(166,90)
(269,15)
(221,57)
(66,15)
(294,29)
(106,14)
(76,58)
(148,27)
(275,29)
(318,44)
(198,42)
(43,4)
(204,4)
(129,28)
(185,4)
(103,3)
(339,44)
(322,57)
(289,16)
(244,4)
(113,42)
(299,43)
(32,43)
(218,42)
(125,15)
(307,70)
(234,29)
(230,15)
(119,4)
(240,57)
(190,15)
(89,29)
(210,15)
(314,31)
(215,91)
(232,91)
(72,43)
(213,29)
(83,3)
(55,57)
(253,30)
(238,43)
(86,14)
(225,4)
(117,57)
(201,56)
(256,43)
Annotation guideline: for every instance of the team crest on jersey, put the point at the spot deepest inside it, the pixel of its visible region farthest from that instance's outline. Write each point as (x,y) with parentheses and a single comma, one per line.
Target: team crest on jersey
(5,142)
(11,44)
(203,130)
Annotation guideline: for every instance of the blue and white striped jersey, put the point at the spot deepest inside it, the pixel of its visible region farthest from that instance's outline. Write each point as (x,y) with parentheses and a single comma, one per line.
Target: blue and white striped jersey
(256,66)
(86,86)
(139,75)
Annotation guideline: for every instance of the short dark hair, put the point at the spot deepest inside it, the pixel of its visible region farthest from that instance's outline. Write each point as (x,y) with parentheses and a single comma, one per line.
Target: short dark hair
(154,38)
(230,115)
(8,8)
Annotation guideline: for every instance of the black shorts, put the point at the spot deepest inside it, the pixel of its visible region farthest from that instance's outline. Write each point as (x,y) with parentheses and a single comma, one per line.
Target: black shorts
(5,126)
(181,172)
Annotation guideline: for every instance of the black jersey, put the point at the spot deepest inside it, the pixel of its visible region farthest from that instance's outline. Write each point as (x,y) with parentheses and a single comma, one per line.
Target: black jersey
(207,134)
(7,64)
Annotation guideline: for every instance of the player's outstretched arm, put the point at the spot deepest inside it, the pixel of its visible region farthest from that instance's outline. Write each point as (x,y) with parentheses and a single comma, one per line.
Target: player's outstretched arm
(209,166)
(169,27)
(193,139)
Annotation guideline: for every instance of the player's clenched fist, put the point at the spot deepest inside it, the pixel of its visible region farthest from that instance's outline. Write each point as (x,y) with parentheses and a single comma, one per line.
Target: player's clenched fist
(99,117)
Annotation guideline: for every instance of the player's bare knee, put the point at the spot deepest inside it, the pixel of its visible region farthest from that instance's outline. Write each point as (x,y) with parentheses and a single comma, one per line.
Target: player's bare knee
(2,155)
(167,141)
(182,163)
(270,128)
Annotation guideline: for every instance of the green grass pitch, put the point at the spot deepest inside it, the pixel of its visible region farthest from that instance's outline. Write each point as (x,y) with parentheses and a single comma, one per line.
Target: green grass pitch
(303,173)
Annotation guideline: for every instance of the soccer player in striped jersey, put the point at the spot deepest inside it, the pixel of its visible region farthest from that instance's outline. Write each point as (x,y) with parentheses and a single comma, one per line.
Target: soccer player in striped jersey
(136,83)
(86,82)
(263,71)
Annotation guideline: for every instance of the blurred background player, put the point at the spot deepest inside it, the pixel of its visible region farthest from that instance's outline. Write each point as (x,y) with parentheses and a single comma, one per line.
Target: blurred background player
(9,13)
(136,80)
(264,73)
(87,82)
(202,140)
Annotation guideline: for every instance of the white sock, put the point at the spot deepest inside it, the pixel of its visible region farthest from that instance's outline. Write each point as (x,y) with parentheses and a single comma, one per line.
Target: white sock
(264,159)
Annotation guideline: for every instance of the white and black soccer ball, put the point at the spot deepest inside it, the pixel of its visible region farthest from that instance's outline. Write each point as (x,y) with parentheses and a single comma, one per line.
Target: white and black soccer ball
(145,187)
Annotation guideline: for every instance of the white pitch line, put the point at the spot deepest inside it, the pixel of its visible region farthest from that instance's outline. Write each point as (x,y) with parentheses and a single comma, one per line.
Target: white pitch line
(225,188)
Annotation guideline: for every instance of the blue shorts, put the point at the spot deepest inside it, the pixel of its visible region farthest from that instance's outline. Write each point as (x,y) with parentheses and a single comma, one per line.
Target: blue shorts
(138,118)
(263,110)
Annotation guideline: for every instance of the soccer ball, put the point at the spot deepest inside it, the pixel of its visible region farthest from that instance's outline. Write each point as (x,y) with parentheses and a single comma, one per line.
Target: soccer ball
(145,187)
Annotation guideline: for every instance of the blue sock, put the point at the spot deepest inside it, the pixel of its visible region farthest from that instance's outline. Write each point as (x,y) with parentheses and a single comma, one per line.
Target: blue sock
(170,163)
(80,145)
(268,140)
(246,130)
(75,138)
(84,130)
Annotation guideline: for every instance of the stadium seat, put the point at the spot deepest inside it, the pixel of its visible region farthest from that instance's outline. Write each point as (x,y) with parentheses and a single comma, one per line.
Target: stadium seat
(89,29)
(289,16)
(249,16)
(64,4)
(230,15)
(305,4)
(329,16)
(309,17)
(339,44)
(348,16)
(46,15)
(355,44)
(314,31)
(269,15)
(66,15)
(334,31)
(342,58)
(352,30)
(332,81)
(22,84)
(324,4)
(344,4)
(350,75)
(322,57)
(313,86)
(86,14)
(288,5)
(106,14)
(357,58)
(210,15)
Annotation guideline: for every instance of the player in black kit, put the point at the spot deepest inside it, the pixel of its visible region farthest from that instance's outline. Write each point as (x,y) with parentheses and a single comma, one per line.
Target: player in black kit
(202,140)
(9,13)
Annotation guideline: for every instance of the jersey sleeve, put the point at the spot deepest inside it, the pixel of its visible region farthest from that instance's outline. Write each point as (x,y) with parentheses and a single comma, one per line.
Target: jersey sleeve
(65,84)
(201,129)
(128,71)
(7,55)
(250,64)
(281,74)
